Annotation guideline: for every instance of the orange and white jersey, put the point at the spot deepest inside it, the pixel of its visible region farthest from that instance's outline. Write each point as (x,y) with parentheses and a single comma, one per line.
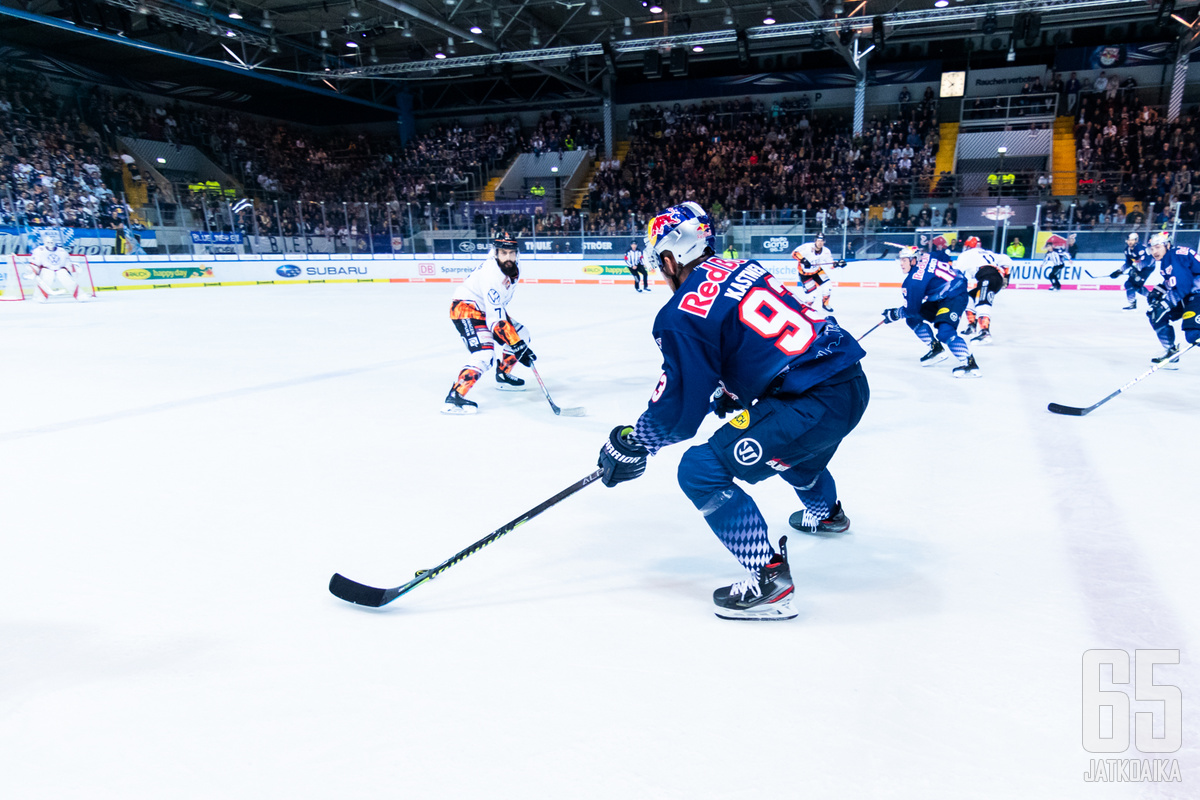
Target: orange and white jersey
(490,290)
(44,257)
(972,260)
(818,261)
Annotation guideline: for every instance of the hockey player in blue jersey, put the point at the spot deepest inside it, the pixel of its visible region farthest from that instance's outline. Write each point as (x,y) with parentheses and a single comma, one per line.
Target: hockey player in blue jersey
(733,329)
(1176,298)
(935,296)
(1138,267)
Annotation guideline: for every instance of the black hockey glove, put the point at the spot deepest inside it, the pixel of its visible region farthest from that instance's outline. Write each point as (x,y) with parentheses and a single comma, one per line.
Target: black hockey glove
(723,403)
(893,314)
(622,458)
(841,262)
(1116,273)
(524,354)
(1157,300)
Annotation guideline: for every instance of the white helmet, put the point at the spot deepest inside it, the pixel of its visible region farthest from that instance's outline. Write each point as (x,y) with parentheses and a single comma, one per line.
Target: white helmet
(1162,237)
(51,238)
(683,230)
(908,252)
(1131,239)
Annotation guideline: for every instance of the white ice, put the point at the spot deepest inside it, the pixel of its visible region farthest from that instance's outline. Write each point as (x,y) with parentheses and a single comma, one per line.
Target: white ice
(182,471)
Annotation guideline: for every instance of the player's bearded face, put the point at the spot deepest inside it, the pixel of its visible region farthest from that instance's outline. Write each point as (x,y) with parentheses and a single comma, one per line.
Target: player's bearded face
(507,259)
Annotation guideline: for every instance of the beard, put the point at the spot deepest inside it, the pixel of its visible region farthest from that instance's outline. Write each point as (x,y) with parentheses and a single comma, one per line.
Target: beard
(509,268)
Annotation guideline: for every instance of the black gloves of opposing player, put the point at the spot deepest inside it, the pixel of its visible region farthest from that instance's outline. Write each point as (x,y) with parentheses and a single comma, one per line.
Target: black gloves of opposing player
(841,262)
(622,458)
(524,354)
(723,403)
(1116,273)
(893,314)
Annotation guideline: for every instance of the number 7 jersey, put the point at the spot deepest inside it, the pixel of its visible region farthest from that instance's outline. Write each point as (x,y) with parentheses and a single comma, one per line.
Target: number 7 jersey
(734,324)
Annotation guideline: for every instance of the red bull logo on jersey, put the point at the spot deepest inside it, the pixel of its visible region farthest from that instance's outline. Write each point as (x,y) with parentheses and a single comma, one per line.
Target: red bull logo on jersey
(700,301)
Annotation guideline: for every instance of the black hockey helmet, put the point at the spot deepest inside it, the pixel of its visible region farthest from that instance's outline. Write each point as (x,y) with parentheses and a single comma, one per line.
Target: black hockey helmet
(505,240)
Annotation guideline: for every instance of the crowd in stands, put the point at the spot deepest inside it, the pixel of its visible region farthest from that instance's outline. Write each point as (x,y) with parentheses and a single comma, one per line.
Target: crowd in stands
(1125,148)
(742,159)
(54,169)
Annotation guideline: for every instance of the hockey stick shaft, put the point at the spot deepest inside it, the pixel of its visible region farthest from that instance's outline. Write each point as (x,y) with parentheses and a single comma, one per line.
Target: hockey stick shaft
(363,595)
(562,412)
(1073,411)
(545,391)
(868,333)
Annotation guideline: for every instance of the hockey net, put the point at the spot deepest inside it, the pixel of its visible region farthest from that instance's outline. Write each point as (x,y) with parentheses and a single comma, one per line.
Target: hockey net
(17,281)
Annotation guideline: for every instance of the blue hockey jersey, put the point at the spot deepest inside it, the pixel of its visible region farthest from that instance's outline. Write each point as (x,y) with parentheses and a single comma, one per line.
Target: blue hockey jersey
(734,324)
(930,280)
(1136,257)
(1180,269)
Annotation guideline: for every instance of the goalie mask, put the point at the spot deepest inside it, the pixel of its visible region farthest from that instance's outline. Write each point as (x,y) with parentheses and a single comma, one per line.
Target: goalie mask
(683,230)
(51,239)
(506,241)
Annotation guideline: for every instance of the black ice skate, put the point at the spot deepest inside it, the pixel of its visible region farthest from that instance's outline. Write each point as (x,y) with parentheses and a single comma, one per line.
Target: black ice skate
(837,522)
(457,404)
(984,337)
(968,369)
(970,329)
(766,597)
(1171,357)
(937,354)
(1132,305)
(509,382)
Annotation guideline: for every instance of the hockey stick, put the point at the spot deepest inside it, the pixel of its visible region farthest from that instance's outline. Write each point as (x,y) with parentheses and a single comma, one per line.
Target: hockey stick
(578,411)
(363,595)
(1095,277)
(877,324)
(1072,411)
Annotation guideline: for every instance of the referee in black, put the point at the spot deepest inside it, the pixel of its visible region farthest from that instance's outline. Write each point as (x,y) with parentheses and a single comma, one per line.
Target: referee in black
(637,266)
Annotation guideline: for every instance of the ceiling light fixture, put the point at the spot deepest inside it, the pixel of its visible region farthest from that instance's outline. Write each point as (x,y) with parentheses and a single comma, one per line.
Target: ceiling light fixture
(273,47)
(769,19)
(374,57)
(234,13)
(941,3)
(535,39)
(267,23)
(655,9)
(628,29)
(475,29)
(728,17)
(407,33)
(439,55)
(697,48)
(354,11)
(450,48)
(324,42)
(595,9)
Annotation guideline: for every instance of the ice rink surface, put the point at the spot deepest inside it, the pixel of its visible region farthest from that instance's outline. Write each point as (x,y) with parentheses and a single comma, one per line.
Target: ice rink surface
(182,471)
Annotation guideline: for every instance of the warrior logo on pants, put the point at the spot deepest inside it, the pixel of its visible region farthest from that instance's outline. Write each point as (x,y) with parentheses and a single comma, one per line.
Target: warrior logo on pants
(747,452)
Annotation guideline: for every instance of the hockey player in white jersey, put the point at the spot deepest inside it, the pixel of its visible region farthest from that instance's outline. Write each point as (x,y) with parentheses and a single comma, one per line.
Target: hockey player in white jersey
(479,311)
(52,268)
(812,258)
(987,273)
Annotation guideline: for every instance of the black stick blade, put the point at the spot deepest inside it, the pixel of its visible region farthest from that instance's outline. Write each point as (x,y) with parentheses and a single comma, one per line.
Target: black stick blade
(1070,411)
(354,592)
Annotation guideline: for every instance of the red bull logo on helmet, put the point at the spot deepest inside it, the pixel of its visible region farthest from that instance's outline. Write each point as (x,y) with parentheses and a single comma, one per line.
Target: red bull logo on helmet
(664,223)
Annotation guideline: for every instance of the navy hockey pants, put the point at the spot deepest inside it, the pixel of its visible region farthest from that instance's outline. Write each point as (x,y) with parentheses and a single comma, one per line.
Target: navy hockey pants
(793,436)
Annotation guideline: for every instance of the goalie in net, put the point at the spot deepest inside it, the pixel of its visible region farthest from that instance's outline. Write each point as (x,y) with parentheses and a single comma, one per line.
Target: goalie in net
(55,272)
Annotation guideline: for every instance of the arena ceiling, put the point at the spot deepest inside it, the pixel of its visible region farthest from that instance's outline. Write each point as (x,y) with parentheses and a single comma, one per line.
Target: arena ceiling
(350,60)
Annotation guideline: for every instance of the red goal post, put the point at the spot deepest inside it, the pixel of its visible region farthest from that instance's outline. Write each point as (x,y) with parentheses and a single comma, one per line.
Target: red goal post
(17,281)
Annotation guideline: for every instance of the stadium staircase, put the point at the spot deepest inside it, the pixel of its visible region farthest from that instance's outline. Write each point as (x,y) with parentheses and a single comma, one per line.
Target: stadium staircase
(948,136)
(489,191)
(1062,160)
(619,153)
(135,191)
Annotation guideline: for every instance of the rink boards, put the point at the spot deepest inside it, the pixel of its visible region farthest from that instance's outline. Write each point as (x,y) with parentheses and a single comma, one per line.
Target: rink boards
(142,272)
